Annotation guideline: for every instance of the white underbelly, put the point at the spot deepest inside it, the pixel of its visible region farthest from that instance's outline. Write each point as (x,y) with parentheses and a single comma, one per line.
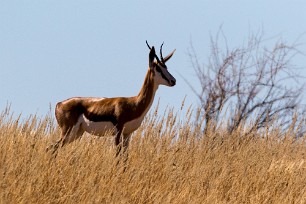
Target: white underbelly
(106,127)
(97,128)
(132,125)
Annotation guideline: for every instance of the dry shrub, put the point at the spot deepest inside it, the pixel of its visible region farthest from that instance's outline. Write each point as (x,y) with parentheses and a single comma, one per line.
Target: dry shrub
(256,81)
(169,161)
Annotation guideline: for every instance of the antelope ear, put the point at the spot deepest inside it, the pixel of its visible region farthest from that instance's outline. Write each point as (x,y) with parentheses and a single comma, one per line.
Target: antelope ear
(169,56)
(151,57)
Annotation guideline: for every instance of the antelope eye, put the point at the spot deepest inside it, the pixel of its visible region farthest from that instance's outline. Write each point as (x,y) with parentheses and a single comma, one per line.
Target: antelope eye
(158,69)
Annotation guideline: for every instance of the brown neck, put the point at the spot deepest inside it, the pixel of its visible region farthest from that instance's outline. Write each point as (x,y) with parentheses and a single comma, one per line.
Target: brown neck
(146,95)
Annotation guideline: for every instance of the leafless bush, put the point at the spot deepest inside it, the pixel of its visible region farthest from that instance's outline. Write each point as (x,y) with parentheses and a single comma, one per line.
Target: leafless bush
(253,84)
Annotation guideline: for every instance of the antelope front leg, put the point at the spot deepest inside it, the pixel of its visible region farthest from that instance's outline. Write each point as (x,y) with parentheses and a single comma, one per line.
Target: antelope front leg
(122,144)
(118,143)
(126,141)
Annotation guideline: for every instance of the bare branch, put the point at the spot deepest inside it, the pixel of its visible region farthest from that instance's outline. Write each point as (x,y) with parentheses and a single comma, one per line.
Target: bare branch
(257,82)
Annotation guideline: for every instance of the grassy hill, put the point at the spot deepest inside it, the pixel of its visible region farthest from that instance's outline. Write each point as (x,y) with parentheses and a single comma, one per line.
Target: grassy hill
(169,161)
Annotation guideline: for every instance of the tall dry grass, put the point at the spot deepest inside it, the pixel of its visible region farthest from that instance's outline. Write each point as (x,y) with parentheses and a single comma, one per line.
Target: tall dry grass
(169,161)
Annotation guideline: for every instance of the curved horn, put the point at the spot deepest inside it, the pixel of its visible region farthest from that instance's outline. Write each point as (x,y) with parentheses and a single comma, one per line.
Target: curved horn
(157,59)
(148,45)
(161,52)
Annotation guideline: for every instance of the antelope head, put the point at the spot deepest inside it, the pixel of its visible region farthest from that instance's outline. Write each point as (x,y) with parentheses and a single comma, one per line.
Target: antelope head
(158,67)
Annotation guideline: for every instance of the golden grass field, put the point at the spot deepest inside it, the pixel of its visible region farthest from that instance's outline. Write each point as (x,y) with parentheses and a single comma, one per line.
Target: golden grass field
(169,161)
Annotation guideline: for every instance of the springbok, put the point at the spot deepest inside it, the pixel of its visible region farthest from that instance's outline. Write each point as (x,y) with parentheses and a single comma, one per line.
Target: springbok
(120,115)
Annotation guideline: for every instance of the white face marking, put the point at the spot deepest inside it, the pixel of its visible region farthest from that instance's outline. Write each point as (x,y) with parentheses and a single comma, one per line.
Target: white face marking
(97,128)
(161,75)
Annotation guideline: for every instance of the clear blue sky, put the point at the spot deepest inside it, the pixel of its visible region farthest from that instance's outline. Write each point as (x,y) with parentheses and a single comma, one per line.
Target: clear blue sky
(52,50)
